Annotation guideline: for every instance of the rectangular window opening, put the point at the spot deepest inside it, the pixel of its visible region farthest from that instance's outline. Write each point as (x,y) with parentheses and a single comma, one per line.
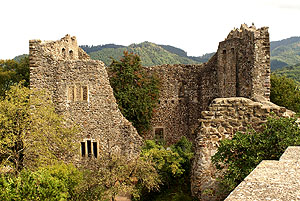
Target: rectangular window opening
(159,134)
(83,149)
(95,149)
(77,93)
(71,93)
(89,148)
(84,93)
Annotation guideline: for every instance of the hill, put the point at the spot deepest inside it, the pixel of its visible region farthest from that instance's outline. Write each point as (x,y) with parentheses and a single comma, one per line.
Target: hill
(151,54)
(285,52)
(290,72)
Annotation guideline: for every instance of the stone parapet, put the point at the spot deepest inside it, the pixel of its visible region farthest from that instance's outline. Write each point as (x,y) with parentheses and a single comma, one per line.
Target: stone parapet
(272,180)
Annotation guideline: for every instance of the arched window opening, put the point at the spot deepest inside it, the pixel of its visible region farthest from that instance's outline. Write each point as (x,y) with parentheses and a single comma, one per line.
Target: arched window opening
(63,51)
(71,54)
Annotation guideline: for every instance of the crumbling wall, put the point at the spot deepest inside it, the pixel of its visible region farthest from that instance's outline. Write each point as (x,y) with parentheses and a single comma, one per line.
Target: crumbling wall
(240,68)
(179,104)
(224,117)
(80,90)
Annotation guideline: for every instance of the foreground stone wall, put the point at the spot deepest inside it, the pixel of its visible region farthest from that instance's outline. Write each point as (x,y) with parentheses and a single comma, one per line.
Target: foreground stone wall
(272,180)
(81,91)
(224,117)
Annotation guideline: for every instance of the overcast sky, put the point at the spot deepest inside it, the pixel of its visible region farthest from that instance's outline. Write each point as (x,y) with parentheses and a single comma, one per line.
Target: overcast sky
(195,26)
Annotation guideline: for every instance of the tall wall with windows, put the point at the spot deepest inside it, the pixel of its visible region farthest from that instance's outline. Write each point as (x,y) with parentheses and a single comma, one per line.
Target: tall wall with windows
(80,89)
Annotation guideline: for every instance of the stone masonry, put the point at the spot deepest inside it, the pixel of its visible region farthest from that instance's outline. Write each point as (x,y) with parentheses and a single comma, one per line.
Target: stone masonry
(195,100)
(240,68)
(224,117)
(272,180)
(206,102)
(80,89)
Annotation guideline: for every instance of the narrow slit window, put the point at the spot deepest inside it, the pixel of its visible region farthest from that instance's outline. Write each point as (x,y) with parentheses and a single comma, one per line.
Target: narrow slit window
(77,93)
(71,54)
(224,51)
(89,148)
(84,93)
(71,93)
(95,149)
(63,51)
(83,149)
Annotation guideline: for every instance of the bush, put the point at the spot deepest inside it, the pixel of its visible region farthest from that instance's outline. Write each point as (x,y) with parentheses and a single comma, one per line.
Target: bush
(56,182)
(173,166)
(285,92)
(236,158)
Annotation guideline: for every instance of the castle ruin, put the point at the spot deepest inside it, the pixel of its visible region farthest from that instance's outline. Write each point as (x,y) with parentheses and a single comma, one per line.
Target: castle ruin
(80,89)
(206,102)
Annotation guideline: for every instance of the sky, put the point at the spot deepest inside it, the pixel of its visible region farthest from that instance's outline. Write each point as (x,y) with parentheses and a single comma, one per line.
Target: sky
(195,26)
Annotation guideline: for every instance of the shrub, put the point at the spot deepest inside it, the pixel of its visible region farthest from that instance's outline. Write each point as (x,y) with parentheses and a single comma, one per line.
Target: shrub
(236,158)
(58,182)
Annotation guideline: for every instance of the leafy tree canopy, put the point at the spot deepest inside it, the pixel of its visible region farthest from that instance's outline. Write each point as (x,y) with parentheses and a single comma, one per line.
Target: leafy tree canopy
(12,72)
(31,133)
(57,182)
(136,92)
(285,92)
(173,165)
(236,158)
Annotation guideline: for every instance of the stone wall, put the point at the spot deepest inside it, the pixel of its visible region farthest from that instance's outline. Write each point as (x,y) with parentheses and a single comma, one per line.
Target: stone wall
(81,92)
(272,180)
(179,104)
(240,68)
(224,117)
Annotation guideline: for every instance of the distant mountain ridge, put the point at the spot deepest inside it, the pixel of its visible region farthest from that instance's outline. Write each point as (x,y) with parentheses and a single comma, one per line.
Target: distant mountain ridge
(285,52)
(151,54)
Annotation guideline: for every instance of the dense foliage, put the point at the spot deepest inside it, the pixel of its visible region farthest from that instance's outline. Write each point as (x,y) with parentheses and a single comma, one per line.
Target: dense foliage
(57,182)
(12,72)
(96,48)
(113,174)
(136,91)
(30,129)
(292,72)
(173,166)
(285,92)
(236,158)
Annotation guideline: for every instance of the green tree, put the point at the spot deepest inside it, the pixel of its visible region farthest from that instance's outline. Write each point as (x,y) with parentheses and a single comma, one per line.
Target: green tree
(236,158)
(136,92)
(113,174)
(57,182)
(31,132)
(285,92)
(12,72)
(173,166)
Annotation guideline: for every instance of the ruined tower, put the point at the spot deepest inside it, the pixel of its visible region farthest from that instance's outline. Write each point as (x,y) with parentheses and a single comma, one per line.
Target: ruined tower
(80,90)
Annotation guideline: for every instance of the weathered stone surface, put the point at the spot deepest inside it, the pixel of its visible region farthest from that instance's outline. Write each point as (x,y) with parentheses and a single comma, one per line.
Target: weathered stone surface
(207,141)
(272,180)
(80,89)
(206,103)
(240,68)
